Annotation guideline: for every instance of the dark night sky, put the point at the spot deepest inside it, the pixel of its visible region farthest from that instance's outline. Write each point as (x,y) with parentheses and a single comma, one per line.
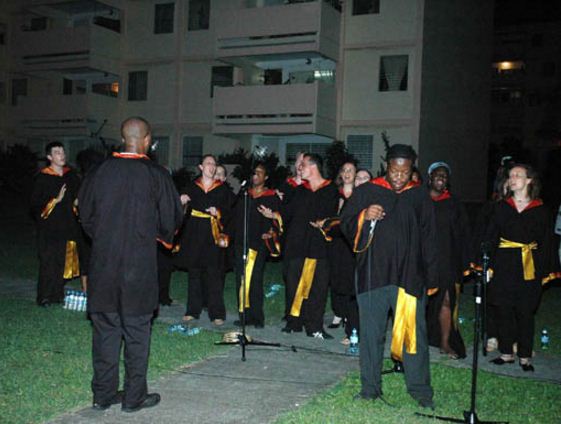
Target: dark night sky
(509,12)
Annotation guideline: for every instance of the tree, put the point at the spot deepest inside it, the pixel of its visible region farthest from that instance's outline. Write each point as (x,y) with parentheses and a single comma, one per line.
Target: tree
(246,161)
(336,155)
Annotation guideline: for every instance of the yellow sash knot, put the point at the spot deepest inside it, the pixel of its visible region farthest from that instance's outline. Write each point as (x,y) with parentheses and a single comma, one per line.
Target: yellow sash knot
(215,224)
(71,263)
(527,257)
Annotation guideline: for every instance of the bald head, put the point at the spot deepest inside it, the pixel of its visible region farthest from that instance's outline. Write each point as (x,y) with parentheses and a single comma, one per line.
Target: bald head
(136,134)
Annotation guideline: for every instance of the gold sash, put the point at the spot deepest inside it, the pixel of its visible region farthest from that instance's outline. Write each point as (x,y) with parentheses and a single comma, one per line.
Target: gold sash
(71,263)
(215,225)
(251,256)
(304,286)
(527,257)
(404,325)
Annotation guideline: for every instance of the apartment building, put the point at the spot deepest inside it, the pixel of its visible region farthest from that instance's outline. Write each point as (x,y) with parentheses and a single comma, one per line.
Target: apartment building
(213,75)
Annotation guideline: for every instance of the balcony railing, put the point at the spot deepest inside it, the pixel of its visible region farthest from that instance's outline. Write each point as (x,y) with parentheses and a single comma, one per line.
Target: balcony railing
(275,109)
(310,27)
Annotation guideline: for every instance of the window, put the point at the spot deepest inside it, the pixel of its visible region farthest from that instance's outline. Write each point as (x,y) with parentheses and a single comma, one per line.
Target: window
(199,14)
(19,88)
(163,18)
(2,34)
(2,92)
(66,87)
(161,149)
(110,89)
(393,73)
(222,76)
(138,85)
(292,149)
(192,150)
(361,147)
(366,7)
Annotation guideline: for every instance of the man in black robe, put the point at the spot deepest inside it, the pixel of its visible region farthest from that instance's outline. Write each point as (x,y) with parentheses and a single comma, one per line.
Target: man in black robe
(203,242)
(390,222)
(127,205)
(262,240)
(58,232)
(305,252)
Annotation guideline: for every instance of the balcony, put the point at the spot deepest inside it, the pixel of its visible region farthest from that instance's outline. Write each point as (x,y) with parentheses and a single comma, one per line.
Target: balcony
(87,47)
(275,109)
(64,115)
(299,29)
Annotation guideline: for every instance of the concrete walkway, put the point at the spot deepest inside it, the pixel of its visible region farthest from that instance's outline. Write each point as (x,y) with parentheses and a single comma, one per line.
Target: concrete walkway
(272,380)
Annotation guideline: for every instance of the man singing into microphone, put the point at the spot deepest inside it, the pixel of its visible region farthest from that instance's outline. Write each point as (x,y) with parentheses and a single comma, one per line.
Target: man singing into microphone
(396,264)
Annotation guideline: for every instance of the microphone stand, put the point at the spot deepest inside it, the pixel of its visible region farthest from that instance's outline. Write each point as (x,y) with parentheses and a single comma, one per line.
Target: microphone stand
(479,289)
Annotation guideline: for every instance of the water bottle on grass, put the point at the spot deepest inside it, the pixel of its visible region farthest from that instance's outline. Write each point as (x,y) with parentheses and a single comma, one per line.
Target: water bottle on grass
(544,339)
(353,346)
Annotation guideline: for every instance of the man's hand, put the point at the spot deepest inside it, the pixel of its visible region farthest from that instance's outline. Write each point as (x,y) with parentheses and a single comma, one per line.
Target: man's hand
(184,199)
(265,211)
(318,223)
(212,210)
(374,212)
(61,193)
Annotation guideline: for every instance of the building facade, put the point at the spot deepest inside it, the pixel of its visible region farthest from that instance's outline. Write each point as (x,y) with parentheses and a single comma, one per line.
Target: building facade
(213,75)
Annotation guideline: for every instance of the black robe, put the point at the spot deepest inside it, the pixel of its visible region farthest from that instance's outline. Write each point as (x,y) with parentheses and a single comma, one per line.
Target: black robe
(534,224)
(126,205)
(306,205)
(55,226)
(403,247)
(198,248)
(453,259)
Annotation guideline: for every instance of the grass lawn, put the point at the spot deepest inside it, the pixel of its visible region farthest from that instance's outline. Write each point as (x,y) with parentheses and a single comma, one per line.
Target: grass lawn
(498,398)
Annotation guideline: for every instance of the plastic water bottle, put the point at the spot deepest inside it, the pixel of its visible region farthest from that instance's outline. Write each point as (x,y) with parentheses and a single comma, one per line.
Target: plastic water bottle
(71,300)
(192,331)
(544,339)
(83,301)
(273,290)
(353,346)
(66,299)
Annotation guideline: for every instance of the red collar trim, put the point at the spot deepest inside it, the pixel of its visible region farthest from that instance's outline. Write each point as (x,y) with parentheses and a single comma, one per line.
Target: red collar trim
(292,182)
(50,171)
(216,183)
(307,185)
(533,204)
(127,155)
(442,196)
(264,193)
(382,182)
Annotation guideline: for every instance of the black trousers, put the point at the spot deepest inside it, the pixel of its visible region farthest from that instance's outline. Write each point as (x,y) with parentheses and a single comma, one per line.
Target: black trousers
(516,324)
(165,268)
(254,314)
(52,257)
(313,308)
(110,329)
(213,280)
(374,306)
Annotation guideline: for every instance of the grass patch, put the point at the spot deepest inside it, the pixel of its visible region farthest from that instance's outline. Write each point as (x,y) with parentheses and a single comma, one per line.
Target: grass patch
(498,398)
(48,351)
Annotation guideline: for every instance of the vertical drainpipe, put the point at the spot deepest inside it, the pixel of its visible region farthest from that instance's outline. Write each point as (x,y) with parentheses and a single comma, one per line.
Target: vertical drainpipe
(417,74)
(175,149)
(339,74)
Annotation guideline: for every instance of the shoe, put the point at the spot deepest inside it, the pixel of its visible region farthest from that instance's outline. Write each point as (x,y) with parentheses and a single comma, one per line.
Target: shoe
(336,322)
(364,396)
(218,322)
(152,399)
(346,341)
(118,398)
(45,303)
(189,318)
(501,361)
(526,366)
(320,335)
(289,330)
(426,403)
(492,344)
